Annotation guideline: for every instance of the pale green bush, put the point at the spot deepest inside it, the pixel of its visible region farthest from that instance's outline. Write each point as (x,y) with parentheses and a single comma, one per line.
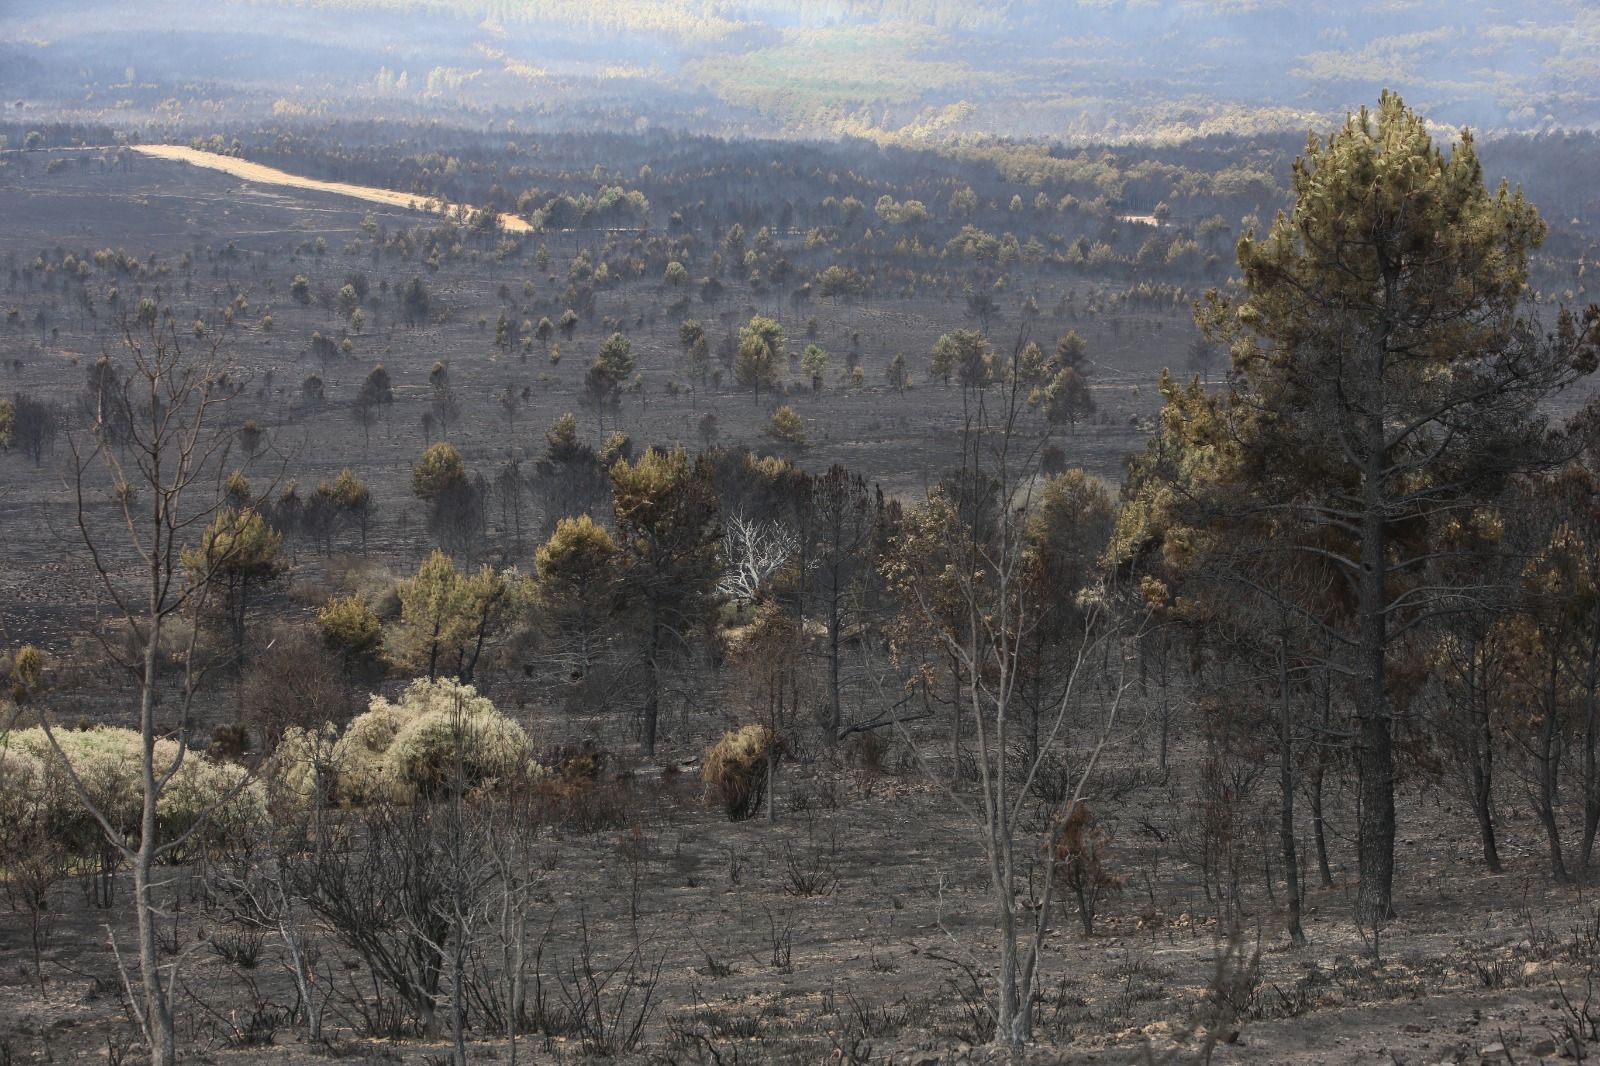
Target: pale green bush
(412,749)
(359,754)
(106,762)
(217,792)
(484,749)
(21,784)
(304,765)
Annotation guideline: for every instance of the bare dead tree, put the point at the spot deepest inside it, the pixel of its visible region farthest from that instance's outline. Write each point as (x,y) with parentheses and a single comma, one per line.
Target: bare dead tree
(754,552)
(963,572)
(382,885)
(163,481)
(518,867)
(257,895)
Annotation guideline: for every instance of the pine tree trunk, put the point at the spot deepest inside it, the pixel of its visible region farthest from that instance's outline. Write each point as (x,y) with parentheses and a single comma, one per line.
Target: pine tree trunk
(1291,865)
(652,686)
(835,703)
(1591,767)
(1374,734)
(1319,827)
(1547,761)
(1483,773)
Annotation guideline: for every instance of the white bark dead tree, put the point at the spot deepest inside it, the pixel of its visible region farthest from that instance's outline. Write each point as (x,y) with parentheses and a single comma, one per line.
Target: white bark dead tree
(165,473)
(754,552)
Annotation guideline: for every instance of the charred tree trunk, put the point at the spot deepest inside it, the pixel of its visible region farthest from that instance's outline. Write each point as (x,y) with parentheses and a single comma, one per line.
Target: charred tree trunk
(1286,841)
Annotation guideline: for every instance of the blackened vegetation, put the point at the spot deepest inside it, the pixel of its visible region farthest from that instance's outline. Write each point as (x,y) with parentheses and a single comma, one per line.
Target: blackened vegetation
(750,522)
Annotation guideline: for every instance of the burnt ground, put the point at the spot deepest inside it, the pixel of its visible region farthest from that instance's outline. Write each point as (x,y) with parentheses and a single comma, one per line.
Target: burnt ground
(893,881)
(846,923)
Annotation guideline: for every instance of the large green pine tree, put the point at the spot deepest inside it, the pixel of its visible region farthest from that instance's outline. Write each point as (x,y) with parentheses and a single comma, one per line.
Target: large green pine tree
(1387,377)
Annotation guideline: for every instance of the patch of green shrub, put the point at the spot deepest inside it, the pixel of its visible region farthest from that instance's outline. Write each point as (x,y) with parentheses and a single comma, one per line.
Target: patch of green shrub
(34,781)
(303,767)
(411,749)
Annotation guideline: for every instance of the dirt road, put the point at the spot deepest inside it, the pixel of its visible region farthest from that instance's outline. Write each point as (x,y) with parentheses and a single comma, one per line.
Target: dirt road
(243,168)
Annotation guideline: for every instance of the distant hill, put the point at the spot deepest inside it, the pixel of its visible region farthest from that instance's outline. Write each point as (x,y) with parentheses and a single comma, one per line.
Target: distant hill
(896,70)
